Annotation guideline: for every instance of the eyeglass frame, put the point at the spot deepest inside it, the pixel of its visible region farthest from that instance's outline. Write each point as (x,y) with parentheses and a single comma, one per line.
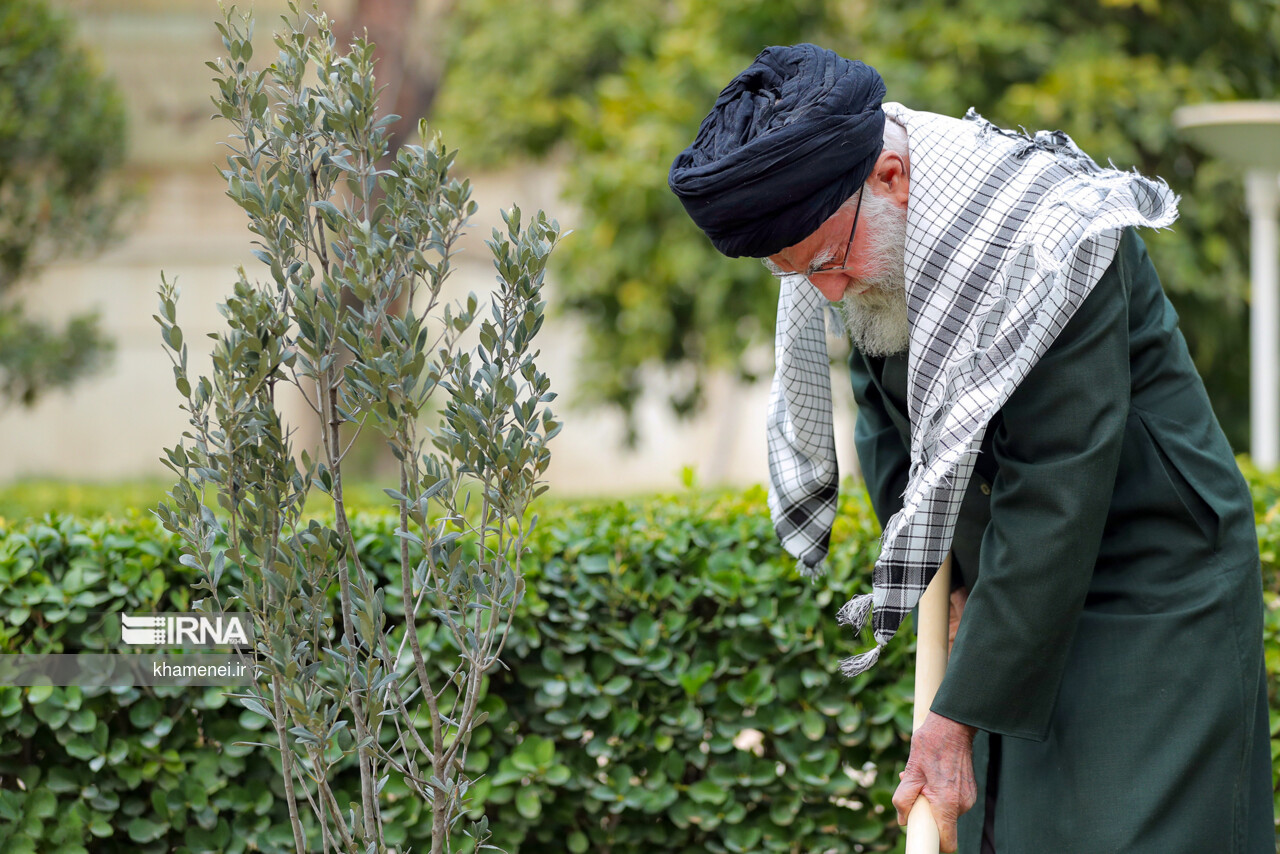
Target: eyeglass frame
(843,264)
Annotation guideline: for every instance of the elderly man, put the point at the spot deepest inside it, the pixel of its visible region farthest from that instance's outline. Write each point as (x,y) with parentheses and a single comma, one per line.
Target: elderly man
(1026,402)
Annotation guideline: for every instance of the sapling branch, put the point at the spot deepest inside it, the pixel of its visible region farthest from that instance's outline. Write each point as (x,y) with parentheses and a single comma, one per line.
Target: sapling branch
(302,164)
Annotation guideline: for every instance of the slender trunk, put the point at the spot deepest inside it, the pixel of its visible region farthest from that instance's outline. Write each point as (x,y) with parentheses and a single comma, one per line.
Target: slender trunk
(286,766)
(439,823)
(326,793)
(410,618)
(333,446)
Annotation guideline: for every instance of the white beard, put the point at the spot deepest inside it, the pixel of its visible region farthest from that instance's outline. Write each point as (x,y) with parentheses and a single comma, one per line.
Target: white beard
(877,319)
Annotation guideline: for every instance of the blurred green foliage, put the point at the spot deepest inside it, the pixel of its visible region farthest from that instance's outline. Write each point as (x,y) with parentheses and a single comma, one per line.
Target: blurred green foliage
(670,684)
(652,634)
(620,89)
(62,137)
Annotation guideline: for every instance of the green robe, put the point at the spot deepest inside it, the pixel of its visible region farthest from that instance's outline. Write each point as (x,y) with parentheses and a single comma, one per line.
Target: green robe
(1111,650)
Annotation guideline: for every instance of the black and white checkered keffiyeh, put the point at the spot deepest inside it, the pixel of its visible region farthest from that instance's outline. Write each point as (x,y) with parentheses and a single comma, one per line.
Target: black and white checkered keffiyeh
(1006,236)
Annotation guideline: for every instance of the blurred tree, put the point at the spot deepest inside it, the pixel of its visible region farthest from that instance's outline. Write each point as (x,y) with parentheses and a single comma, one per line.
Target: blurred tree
(62,134)
(408,55)
(622,86)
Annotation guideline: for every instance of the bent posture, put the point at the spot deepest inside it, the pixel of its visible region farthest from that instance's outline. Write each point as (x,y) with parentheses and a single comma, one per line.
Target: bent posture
(1027,402)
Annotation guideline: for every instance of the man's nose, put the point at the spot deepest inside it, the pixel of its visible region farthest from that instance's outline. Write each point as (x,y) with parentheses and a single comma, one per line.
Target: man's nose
(830,285)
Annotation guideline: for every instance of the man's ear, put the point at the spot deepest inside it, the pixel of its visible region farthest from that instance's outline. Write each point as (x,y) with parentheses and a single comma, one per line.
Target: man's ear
(891,175)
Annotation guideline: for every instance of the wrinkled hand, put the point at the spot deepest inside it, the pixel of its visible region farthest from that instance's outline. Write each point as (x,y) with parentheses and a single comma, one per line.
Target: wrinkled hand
(940,768)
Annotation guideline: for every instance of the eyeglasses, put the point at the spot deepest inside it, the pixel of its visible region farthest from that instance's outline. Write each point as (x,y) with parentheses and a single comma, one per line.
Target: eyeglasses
(843,264)
(843,268)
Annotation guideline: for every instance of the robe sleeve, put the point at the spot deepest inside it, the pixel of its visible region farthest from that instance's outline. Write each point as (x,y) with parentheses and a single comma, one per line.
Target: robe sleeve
(884,458)
(1057,445)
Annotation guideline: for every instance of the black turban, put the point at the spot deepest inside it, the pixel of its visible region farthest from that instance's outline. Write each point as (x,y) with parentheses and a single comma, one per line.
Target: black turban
(787,142)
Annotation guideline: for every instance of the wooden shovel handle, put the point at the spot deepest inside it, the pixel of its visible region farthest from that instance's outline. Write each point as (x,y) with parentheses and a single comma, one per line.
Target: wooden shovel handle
(922,830)
(931,664)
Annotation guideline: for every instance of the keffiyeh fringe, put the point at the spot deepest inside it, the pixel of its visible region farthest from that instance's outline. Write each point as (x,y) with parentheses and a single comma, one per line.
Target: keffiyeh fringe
(855,664)
(854,612)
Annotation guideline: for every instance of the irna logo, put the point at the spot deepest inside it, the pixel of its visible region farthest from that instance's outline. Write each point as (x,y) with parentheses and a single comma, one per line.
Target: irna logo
(185,630)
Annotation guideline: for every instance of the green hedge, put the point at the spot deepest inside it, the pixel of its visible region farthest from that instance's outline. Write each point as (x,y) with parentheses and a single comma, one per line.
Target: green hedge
(34,497)
(655,633)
